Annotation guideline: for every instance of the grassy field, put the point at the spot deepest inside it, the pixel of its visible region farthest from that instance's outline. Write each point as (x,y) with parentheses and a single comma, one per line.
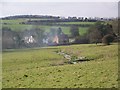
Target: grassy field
(17,21)
(77,22)
(15,26)
(44,68)
(66,30)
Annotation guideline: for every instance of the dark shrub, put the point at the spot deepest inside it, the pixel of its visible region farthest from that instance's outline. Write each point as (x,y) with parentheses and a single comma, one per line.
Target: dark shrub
(74,30)
(107,39)
(81,40)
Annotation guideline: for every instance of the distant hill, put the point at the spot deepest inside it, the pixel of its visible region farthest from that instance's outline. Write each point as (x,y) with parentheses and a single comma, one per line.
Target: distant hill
(31,16)
(94,19)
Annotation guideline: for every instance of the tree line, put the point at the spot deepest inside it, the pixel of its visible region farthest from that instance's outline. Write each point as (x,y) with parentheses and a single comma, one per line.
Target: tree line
(97,33)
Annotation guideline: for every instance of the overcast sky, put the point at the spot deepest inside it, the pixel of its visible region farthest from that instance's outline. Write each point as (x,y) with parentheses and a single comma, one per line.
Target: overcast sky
(85,9)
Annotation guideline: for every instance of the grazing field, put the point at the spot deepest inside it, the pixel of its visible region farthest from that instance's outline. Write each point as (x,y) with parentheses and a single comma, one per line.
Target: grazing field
(44,68)
(77,22)
(17,21)
(66,30)
(16,26)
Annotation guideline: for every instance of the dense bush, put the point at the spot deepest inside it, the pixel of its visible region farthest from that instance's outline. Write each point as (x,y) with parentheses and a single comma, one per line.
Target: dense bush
(107,39)
(81,40)
(99,31)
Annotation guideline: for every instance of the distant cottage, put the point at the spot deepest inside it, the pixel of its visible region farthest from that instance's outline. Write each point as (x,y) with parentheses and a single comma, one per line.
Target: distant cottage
(31,38)
(61,39)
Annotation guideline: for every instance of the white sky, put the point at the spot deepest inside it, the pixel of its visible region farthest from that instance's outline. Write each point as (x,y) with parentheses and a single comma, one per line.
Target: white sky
(59,0)
(93,8)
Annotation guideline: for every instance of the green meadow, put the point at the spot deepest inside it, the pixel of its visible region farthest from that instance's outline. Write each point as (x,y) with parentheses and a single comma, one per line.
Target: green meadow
(15,25)
(77,22)
(44,68)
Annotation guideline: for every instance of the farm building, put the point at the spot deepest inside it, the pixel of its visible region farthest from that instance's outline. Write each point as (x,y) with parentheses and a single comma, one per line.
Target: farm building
(31,38)
(61,39)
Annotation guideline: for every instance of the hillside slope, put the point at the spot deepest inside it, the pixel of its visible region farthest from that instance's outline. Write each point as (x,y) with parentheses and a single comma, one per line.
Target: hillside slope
(43,68)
